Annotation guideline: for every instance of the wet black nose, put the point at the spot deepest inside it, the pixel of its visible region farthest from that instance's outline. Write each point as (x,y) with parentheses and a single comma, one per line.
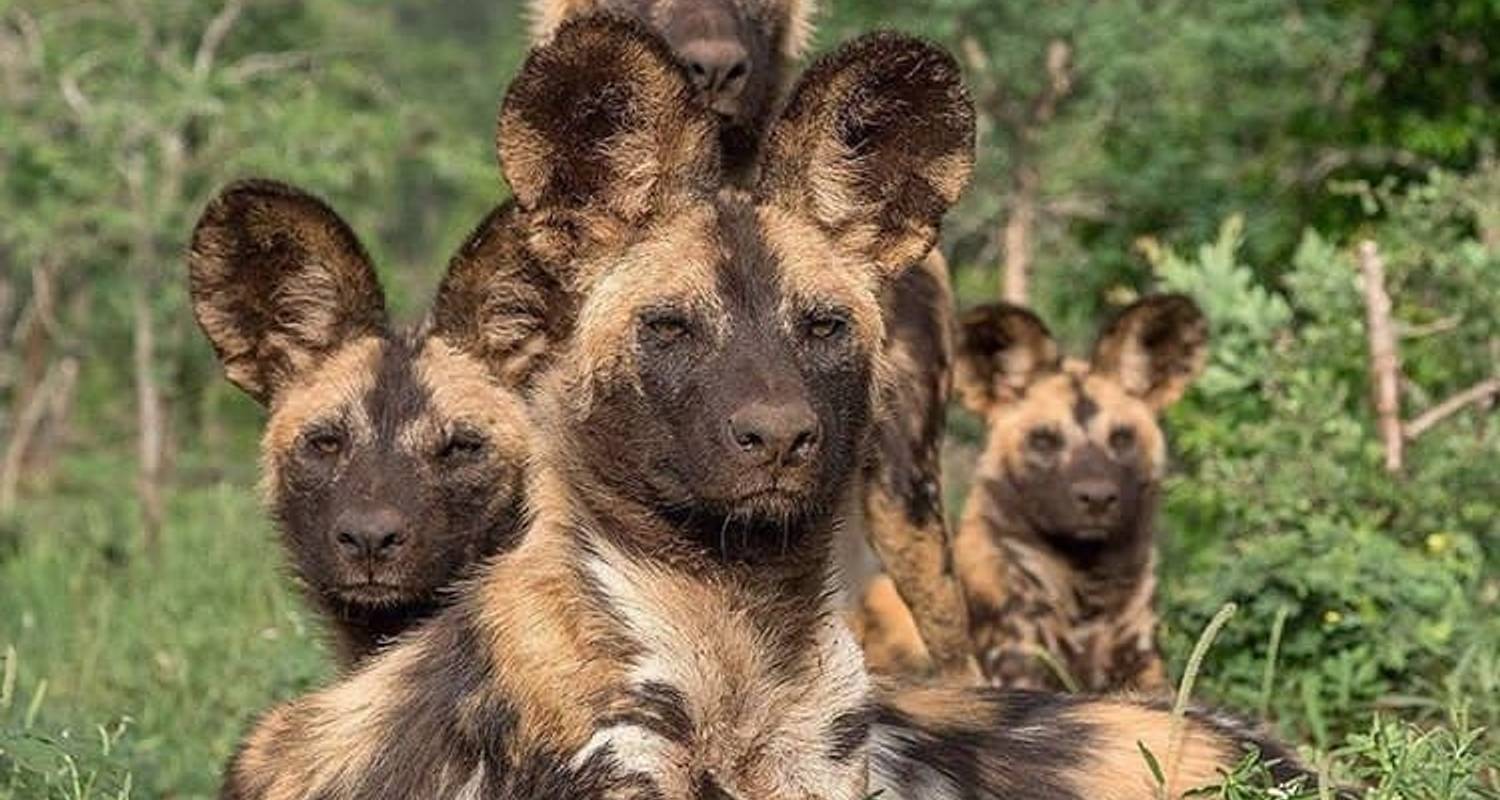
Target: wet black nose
(719,67)
(780,433)
(369,534)
(1096,496)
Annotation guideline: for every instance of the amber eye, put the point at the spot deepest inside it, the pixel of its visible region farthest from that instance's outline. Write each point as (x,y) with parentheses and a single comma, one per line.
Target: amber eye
(1121,438)
(324,443)
(462,443)
(1044,440)
(826,326)
(666,328)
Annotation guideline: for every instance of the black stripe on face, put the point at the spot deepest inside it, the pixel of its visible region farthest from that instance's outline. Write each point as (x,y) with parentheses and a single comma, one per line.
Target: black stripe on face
(1084,407)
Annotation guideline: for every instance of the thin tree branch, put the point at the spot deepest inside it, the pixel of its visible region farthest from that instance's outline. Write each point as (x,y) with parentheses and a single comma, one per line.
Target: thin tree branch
(1474,395)
(214,35)
(258,64)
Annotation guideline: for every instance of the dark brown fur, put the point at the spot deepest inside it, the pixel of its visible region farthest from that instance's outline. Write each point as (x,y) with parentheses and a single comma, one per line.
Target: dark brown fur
(391,460)
(903,520)
(1056,549)
(665,629)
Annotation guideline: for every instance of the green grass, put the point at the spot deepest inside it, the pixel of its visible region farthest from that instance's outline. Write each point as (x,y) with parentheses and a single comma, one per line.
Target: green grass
(180,649)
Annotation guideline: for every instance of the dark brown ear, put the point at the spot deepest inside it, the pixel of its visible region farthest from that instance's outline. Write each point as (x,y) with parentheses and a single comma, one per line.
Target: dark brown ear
(499,306)
(1002,349)
(1155,348)
(277,282)
(875,143)
(599,132)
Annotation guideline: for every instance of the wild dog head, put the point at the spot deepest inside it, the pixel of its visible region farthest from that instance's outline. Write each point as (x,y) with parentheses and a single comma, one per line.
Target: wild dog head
(391,460)
(1080,442)
(727,348)
(737,53)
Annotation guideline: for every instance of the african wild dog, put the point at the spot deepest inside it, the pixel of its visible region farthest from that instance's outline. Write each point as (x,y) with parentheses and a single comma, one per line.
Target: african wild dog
(739,54)
(1056,548)
(391,461)
(664,629)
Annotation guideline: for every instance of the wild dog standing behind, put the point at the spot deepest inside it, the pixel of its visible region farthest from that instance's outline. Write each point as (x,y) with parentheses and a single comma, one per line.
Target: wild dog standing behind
(665,629)
(392,460)
(739,54)
(1056,550)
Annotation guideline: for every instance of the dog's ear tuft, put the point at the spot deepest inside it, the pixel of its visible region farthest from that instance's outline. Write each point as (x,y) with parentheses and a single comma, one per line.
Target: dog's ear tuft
(600,132)
(1155,348)
(278,281)
(1002,349)
(875,144)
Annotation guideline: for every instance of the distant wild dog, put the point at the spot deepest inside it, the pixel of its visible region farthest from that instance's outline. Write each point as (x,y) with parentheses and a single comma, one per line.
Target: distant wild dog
(665,630)
(392,460)
(739,55)
(1056,549)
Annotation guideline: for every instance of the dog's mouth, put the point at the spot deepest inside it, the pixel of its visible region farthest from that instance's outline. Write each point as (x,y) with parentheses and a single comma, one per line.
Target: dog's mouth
(375,592)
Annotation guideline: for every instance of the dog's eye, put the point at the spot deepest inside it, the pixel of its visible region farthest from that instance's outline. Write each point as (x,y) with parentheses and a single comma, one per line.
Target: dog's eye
(324,443)
(826,326)
(462,443)
(1121,438)
(1044,440)
(666,327)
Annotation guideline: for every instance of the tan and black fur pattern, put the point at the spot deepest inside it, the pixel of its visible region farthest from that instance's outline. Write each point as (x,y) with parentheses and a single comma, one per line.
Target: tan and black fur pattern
(947,743)
(901,497)
(1056,548)
(666,628)
(391,459)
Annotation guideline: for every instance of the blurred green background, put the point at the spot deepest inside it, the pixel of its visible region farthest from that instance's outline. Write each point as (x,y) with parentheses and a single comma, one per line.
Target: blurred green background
(1237,150)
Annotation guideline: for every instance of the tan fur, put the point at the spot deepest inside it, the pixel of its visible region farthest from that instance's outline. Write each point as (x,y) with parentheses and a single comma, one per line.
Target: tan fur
(336,386)
(795,16)
(1117,771)
(671,265)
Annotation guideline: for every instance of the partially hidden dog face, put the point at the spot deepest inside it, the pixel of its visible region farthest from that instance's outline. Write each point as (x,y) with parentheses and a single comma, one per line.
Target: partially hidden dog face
(1079,443)
(735,52)
(391,460)
(727,346)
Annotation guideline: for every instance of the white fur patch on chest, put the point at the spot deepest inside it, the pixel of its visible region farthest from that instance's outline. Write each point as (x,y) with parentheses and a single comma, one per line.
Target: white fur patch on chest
(724,706)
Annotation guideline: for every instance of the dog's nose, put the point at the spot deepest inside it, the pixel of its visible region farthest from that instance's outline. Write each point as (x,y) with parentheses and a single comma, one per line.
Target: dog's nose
(374,534)
(1096,496)
(785,434)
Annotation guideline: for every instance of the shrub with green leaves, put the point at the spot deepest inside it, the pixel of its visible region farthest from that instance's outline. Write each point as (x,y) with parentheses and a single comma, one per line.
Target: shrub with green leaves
(1375,591)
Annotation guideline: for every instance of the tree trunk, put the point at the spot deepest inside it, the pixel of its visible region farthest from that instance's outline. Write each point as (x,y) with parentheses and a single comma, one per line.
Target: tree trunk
(151,436)
(49,403)
(1385,362)
(1016,275)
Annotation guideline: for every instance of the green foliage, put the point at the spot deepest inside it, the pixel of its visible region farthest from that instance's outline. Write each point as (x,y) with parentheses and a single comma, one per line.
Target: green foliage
(1376,588)
(188,645)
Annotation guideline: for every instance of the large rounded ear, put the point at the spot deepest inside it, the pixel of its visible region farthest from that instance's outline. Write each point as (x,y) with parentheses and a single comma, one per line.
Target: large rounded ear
(278,281)
(1002,349)
(875,144)
(599,133)
(1155,348)
(500,306)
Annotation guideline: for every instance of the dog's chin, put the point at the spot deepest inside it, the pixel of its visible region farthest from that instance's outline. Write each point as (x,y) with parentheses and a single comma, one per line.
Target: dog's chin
(376,595)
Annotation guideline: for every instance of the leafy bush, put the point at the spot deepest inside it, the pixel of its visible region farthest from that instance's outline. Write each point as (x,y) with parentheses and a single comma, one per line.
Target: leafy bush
(1374,591)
